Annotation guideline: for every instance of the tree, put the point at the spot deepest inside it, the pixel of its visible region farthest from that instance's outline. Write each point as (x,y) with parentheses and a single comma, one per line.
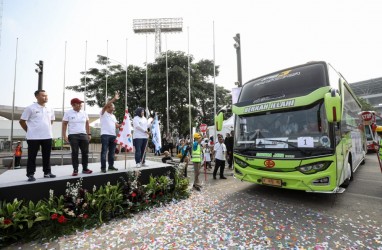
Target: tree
(366,106)
(96,82)
(201,91)
(202,102)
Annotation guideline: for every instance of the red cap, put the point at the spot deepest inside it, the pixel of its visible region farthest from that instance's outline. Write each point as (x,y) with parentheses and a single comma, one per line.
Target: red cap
(75,100)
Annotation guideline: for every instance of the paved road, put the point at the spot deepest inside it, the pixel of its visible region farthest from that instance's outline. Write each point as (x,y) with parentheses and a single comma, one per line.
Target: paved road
(229,214)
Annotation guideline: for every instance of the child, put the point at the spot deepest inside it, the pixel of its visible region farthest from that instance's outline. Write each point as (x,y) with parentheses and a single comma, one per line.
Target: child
(166,157)
(207,156)
(18,153)
(185,150)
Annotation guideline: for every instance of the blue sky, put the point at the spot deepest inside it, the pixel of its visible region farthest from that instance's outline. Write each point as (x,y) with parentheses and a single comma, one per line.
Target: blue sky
(275,34)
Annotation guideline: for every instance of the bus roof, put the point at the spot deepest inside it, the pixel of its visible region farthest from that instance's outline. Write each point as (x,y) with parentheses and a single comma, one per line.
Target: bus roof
(286,69)
(287,83)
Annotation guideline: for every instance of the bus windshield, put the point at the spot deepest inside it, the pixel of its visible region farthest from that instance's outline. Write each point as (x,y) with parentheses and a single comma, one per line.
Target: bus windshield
(302,130)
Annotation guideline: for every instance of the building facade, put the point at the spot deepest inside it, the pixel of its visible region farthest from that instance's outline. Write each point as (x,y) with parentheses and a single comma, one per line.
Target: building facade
(371,91)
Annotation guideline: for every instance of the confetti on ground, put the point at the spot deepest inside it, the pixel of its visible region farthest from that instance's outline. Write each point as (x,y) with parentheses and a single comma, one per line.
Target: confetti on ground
(214,219)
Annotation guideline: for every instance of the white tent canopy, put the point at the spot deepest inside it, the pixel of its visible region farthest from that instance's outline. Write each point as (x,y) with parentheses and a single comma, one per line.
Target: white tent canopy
(229,123)
(228,126)
(95,124)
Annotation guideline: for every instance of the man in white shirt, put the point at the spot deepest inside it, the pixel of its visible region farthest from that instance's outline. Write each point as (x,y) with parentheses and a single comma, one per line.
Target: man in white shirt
(220,151)
(109,124)
(77,123)
(37,120)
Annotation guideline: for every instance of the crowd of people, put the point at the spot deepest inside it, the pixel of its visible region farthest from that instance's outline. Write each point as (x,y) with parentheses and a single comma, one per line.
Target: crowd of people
(37,120)
(202,152)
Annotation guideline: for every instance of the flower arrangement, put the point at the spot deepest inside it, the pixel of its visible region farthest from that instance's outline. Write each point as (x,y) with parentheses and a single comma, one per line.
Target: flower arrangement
(80,208)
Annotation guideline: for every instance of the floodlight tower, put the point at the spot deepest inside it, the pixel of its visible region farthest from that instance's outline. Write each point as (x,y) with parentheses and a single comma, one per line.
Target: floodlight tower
(157,26)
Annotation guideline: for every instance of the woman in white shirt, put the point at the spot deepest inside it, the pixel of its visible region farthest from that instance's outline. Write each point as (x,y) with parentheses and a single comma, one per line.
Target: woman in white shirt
(207,155)
(140,136)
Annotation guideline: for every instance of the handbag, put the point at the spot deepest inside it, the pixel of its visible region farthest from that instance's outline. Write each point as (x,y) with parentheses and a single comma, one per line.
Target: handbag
(179,155)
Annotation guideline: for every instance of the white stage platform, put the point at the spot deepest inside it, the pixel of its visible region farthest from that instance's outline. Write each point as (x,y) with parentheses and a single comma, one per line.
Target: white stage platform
(14,183)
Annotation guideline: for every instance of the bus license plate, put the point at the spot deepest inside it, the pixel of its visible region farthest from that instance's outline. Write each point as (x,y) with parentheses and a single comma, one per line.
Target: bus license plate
(272,182)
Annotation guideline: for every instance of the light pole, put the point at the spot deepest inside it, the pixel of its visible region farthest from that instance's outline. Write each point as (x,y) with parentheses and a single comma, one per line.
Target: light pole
(167,98)
(189,79)
(86,72)
(40,72)
(107,58)
(13,100)
(237,46)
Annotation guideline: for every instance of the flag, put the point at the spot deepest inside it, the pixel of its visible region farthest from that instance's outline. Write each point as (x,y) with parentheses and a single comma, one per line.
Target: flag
(156,134)
(124,137)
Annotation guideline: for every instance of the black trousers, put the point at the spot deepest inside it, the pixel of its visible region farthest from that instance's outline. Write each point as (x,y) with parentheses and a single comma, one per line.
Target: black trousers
(219,164)
(33,147)
(79,142)
(170,147)
(230,158)
(17,161)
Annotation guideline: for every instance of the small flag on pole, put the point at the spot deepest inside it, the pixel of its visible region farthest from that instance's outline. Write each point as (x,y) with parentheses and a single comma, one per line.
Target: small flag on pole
(124,137)
(156,134)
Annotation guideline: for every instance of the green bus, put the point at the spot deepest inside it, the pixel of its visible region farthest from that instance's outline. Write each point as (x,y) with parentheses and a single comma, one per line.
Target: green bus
(299,128)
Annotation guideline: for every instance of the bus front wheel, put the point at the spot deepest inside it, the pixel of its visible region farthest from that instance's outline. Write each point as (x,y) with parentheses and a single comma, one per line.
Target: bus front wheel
(350,178)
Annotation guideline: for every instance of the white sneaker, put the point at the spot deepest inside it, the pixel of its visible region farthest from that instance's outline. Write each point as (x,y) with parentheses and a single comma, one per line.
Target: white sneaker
(138,165)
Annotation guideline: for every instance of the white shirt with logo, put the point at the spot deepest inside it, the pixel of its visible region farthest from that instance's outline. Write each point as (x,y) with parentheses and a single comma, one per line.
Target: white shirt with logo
(108,122)
(39,121)
(140,125)
(220,150)
(76,121)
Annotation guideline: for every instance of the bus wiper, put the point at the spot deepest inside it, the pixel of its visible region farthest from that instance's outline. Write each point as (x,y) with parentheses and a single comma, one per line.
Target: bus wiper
(324,149)
(244,150)
(293,146)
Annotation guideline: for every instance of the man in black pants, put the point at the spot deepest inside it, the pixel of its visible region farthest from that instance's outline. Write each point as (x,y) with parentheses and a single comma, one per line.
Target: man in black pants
(37,120)
(170,141)
(76,122)
(220,151)
(229,144)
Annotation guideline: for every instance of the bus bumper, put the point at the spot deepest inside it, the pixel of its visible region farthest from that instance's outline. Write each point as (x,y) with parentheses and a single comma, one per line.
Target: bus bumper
(321,182)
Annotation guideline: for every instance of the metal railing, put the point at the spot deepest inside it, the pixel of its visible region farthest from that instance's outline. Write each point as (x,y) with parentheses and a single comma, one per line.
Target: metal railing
(7,157)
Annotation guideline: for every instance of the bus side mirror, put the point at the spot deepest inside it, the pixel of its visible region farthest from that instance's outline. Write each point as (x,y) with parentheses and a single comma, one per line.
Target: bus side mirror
(333,106)
(219,121)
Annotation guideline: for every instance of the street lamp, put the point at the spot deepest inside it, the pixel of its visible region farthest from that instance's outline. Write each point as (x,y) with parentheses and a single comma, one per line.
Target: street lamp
(40,71)
(167,98)
(237,46)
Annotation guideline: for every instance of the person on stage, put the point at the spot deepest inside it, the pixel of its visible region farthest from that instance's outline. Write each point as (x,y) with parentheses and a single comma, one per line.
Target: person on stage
(109,124)
(37,120)
(76,121)
(140,137)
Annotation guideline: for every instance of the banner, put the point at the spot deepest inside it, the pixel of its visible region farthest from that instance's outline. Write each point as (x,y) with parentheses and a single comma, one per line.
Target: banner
(124,137)
(156,134)
(235,94)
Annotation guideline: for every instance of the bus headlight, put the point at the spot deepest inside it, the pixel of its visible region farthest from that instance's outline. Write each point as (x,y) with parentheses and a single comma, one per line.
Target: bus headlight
(241,163)
(314,167)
